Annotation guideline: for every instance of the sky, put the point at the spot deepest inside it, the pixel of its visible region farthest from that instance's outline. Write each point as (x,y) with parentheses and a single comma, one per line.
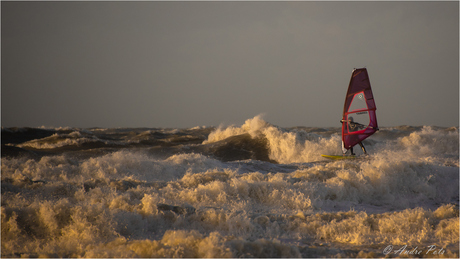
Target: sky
(186,64)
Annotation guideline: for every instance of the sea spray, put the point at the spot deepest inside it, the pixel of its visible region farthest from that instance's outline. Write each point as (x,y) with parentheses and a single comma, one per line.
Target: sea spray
(284,146)
(206,192)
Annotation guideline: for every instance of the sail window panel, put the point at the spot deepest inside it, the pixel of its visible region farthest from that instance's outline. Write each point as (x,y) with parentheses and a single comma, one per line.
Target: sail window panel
(358,103)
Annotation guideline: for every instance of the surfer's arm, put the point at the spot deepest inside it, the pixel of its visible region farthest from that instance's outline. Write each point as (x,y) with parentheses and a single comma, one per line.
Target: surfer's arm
(352,122)
(357,124)
(362,125)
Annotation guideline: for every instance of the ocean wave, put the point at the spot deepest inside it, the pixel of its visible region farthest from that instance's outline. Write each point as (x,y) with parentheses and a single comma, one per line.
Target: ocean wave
(284,146)
(293,146)
(75,138)
(255,190)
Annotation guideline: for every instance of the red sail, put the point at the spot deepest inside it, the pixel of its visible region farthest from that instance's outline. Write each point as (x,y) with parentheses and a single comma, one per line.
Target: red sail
(359,119)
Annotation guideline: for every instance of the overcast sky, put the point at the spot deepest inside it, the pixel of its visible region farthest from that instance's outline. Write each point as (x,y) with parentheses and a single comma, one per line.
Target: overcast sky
(186,64)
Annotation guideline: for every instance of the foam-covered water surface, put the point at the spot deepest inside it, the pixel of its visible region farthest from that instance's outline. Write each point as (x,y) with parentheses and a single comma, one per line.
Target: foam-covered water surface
(255,190)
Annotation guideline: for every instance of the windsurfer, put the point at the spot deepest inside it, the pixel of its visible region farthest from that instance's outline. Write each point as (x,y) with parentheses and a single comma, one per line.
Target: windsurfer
(353,126)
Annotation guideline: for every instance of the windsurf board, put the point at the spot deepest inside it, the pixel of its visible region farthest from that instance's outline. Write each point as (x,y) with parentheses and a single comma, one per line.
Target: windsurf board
(333,157)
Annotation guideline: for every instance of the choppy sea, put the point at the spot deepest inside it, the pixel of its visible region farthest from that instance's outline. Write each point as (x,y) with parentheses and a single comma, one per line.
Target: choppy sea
(252,190)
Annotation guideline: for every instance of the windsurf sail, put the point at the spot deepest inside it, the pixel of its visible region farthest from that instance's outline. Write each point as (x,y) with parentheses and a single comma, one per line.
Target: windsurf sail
(359,120)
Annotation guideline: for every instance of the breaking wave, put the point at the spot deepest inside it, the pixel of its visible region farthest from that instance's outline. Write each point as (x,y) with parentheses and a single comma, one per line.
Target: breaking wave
(284,146)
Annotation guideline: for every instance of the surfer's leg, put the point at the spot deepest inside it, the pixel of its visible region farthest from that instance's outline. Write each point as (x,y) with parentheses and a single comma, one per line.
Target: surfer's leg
(363,148)
(351,150)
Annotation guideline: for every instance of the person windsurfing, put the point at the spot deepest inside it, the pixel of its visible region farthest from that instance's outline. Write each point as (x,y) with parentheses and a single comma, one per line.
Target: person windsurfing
(359,120)
(353,126)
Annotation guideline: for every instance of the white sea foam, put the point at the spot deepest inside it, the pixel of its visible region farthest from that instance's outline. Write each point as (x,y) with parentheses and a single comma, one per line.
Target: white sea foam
(285,146)
(131,203)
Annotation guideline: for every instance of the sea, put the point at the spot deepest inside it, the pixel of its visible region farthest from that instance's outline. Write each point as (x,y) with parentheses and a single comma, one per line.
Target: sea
(251,190)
